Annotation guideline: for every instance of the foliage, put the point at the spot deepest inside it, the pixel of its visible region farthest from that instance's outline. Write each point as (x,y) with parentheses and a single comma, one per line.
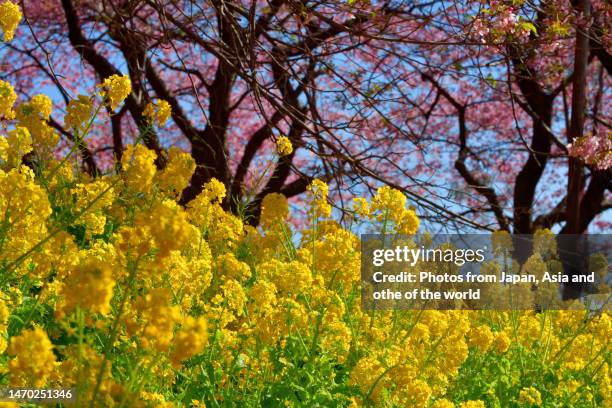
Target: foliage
(108,286)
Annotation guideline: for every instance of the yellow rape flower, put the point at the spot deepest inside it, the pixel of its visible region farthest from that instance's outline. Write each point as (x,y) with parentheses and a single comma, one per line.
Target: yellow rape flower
(177,173)
(17,144)
(94,197)
(408,223)
(545,242)
(42,105)
(319,189)
(234,294)
(25,206)
(79,111)
(4,313)
(390,206)
(362,207)
(34,115)
(365,374)
(34,359)
(389,202)
(293,277)
(7,100)
(319,192)
(473,404)
(92,368)
(502,242)
(10,15)
(442,403)
(481,337)
(157,318)
(4,316)
(116,88)
(89,286)
(155,399)
(190,340)
(263,295)
(168,225)
(214,190)
(4,147)
(139,169)
(205,206)
(159,111)
(274,210)
(502,342)
(284,146)
(228,267)
(418,393)
(530,396)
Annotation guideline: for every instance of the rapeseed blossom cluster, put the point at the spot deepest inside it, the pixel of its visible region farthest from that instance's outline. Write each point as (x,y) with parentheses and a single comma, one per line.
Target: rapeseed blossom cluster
(158,111)
(4,315)
(175,176)
(34,115)
(284,146)
(115,89)
(7,100)
(389,205)
(530,396)
(10,15)
(92,276)
(138,164)
(110,287)
(34,360)
(79,111)
(14,146)
(160,305)
(274,209)
(320,207)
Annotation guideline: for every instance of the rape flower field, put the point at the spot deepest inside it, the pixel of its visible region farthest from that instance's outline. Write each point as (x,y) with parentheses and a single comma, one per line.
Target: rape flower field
(109,287)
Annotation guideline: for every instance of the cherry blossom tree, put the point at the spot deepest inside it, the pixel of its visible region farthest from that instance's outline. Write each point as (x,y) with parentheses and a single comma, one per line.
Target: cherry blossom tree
(487,115)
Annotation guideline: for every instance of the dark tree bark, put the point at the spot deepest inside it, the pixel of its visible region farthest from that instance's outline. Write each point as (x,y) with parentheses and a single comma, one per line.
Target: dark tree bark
(579,102)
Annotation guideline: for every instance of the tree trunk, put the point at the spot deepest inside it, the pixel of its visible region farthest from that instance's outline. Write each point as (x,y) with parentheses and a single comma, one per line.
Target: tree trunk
(579,100)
